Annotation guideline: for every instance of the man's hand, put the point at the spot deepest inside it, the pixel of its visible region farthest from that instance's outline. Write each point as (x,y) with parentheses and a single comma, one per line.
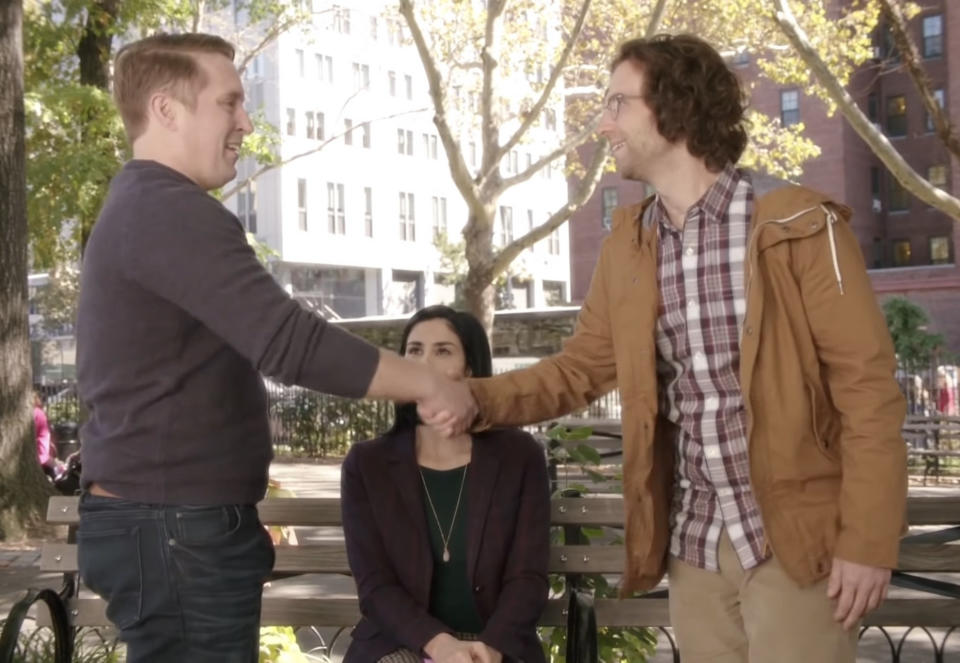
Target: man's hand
(449,407)
(857,588)
(444,648)
(485,654)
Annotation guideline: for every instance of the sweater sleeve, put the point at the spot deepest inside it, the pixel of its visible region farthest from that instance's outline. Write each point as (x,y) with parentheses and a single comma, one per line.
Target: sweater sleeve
(190,250)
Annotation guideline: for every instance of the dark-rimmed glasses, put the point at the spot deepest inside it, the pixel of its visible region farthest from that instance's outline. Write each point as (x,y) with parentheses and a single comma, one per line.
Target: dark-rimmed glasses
(615,101)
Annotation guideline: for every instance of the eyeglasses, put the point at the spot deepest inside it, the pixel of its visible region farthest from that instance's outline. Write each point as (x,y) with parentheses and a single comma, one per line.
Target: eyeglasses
(615,101)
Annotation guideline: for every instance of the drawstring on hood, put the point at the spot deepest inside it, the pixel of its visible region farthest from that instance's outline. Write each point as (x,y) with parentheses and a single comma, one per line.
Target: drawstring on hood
(831,218)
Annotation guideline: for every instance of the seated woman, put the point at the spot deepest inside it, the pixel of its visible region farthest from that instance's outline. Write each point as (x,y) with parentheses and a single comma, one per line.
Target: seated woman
(447,538)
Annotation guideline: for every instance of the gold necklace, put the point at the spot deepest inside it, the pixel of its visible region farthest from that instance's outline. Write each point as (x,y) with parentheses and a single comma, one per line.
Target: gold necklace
(456,509)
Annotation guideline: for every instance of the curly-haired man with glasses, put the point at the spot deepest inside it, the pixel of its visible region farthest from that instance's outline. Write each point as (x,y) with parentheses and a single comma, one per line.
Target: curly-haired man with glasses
(763,467)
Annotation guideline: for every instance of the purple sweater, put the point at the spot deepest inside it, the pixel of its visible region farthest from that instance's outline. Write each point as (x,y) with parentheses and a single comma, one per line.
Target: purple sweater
(176,321)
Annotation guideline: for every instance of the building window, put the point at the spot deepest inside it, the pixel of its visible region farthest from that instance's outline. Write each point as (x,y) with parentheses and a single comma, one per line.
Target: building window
(901,252)
(740,59)
(348,132)
(408,223)
(873,110)
(368,211)
(392,82)
(341,20)
(938,95)
(366,134)
(553,243)
(336,219)
(439,215)
(939,250)
(933,36)
(897,116)
(898,200)
(300,63)
(320,128)
(324,68)
(361,76)
(877,253)
(291,122)
(302,204)
(553,293)
(311,125)
(430,146)
(408,81)
(937,175)
(505,234)
(789,107)
(405,141)
(609,203)
(875,189)
(247,206)
(373,28)
(550,118)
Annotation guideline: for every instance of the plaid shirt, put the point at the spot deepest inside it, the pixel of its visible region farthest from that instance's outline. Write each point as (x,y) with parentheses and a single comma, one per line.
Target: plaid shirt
(702,304)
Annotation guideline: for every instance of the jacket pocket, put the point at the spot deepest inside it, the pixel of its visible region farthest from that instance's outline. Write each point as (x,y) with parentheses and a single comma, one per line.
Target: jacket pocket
(824,433)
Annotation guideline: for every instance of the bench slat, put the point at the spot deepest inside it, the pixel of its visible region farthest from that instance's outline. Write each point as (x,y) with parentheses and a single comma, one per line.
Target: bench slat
(332,558)
(591,511)
(610,612)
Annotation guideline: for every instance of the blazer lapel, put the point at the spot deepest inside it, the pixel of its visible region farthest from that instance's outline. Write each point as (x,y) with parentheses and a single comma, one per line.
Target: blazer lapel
(406,477)
(484,468)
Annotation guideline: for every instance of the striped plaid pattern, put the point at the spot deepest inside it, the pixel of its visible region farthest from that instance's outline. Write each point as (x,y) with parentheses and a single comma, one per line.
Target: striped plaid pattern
(407,656)
(702,304)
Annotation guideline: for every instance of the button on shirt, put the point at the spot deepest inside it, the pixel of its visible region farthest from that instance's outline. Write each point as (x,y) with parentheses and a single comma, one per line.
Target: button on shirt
(701,280)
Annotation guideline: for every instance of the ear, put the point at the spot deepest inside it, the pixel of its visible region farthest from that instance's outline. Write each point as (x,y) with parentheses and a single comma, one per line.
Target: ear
(163,109)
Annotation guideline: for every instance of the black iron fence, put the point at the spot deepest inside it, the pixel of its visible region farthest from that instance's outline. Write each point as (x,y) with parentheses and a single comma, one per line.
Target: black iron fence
(306,423)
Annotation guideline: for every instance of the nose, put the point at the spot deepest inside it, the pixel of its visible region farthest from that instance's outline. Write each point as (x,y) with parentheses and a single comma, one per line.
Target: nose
(607,125)
(245,124)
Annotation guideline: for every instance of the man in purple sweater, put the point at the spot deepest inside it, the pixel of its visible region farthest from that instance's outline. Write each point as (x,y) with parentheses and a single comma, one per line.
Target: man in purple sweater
(177,320)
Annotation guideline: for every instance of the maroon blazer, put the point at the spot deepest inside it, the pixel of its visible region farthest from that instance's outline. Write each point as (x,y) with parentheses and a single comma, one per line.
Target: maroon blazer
(508,544)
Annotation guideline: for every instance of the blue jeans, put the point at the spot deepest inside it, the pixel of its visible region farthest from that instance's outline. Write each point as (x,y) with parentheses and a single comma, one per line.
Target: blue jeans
(182,583)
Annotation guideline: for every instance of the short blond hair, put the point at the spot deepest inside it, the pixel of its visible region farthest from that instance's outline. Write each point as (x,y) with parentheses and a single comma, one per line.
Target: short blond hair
(161,62)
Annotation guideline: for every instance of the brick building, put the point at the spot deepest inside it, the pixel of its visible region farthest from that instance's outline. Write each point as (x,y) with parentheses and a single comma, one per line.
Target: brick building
(909,247)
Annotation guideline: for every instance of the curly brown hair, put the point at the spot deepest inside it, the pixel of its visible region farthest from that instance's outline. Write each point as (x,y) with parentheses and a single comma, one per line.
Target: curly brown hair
(693,95)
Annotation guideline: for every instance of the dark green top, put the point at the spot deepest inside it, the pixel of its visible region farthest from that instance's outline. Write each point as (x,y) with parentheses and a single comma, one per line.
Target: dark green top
(451,596)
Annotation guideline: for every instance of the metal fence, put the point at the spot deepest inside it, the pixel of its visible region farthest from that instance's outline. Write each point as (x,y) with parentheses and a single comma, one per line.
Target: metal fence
(306,423)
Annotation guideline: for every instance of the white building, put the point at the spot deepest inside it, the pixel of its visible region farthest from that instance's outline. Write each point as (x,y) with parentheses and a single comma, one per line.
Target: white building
(353,224)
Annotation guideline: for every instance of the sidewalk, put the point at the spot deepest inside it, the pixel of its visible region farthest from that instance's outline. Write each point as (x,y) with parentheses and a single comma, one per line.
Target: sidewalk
(18,571)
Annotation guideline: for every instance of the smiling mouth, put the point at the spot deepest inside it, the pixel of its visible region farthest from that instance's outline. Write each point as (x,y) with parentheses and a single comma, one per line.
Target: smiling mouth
(234,147)
(617,146)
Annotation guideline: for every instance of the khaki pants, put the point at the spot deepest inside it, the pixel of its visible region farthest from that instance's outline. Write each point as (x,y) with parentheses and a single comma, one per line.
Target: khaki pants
(755,616)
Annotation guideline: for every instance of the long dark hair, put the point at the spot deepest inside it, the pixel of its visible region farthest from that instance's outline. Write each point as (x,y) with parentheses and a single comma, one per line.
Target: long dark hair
(476,351)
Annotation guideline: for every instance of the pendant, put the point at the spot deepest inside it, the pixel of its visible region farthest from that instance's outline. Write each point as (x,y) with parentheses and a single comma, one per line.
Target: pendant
(446,555)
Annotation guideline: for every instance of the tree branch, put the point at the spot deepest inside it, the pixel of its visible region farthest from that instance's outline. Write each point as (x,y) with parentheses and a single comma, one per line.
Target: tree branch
(458,167)
(656,17)
(488,130)
(877,142)
(232,191)
(588,184)
(534,112)
(571,144)
(893,12)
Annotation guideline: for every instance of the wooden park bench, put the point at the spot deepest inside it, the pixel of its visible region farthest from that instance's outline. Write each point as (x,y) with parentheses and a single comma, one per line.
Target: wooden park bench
(932,552)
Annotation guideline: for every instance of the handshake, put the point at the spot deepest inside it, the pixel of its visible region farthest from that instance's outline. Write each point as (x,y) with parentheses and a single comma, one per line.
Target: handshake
(447,406)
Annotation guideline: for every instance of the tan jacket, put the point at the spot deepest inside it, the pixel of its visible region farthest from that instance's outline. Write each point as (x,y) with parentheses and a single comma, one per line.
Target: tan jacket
(824,413)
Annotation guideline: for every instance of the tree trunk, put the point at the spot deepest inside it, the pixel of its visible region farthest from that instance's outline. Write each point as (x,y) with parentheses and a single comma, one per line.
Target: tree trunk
(478,288)
(94,48)
(23,489)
